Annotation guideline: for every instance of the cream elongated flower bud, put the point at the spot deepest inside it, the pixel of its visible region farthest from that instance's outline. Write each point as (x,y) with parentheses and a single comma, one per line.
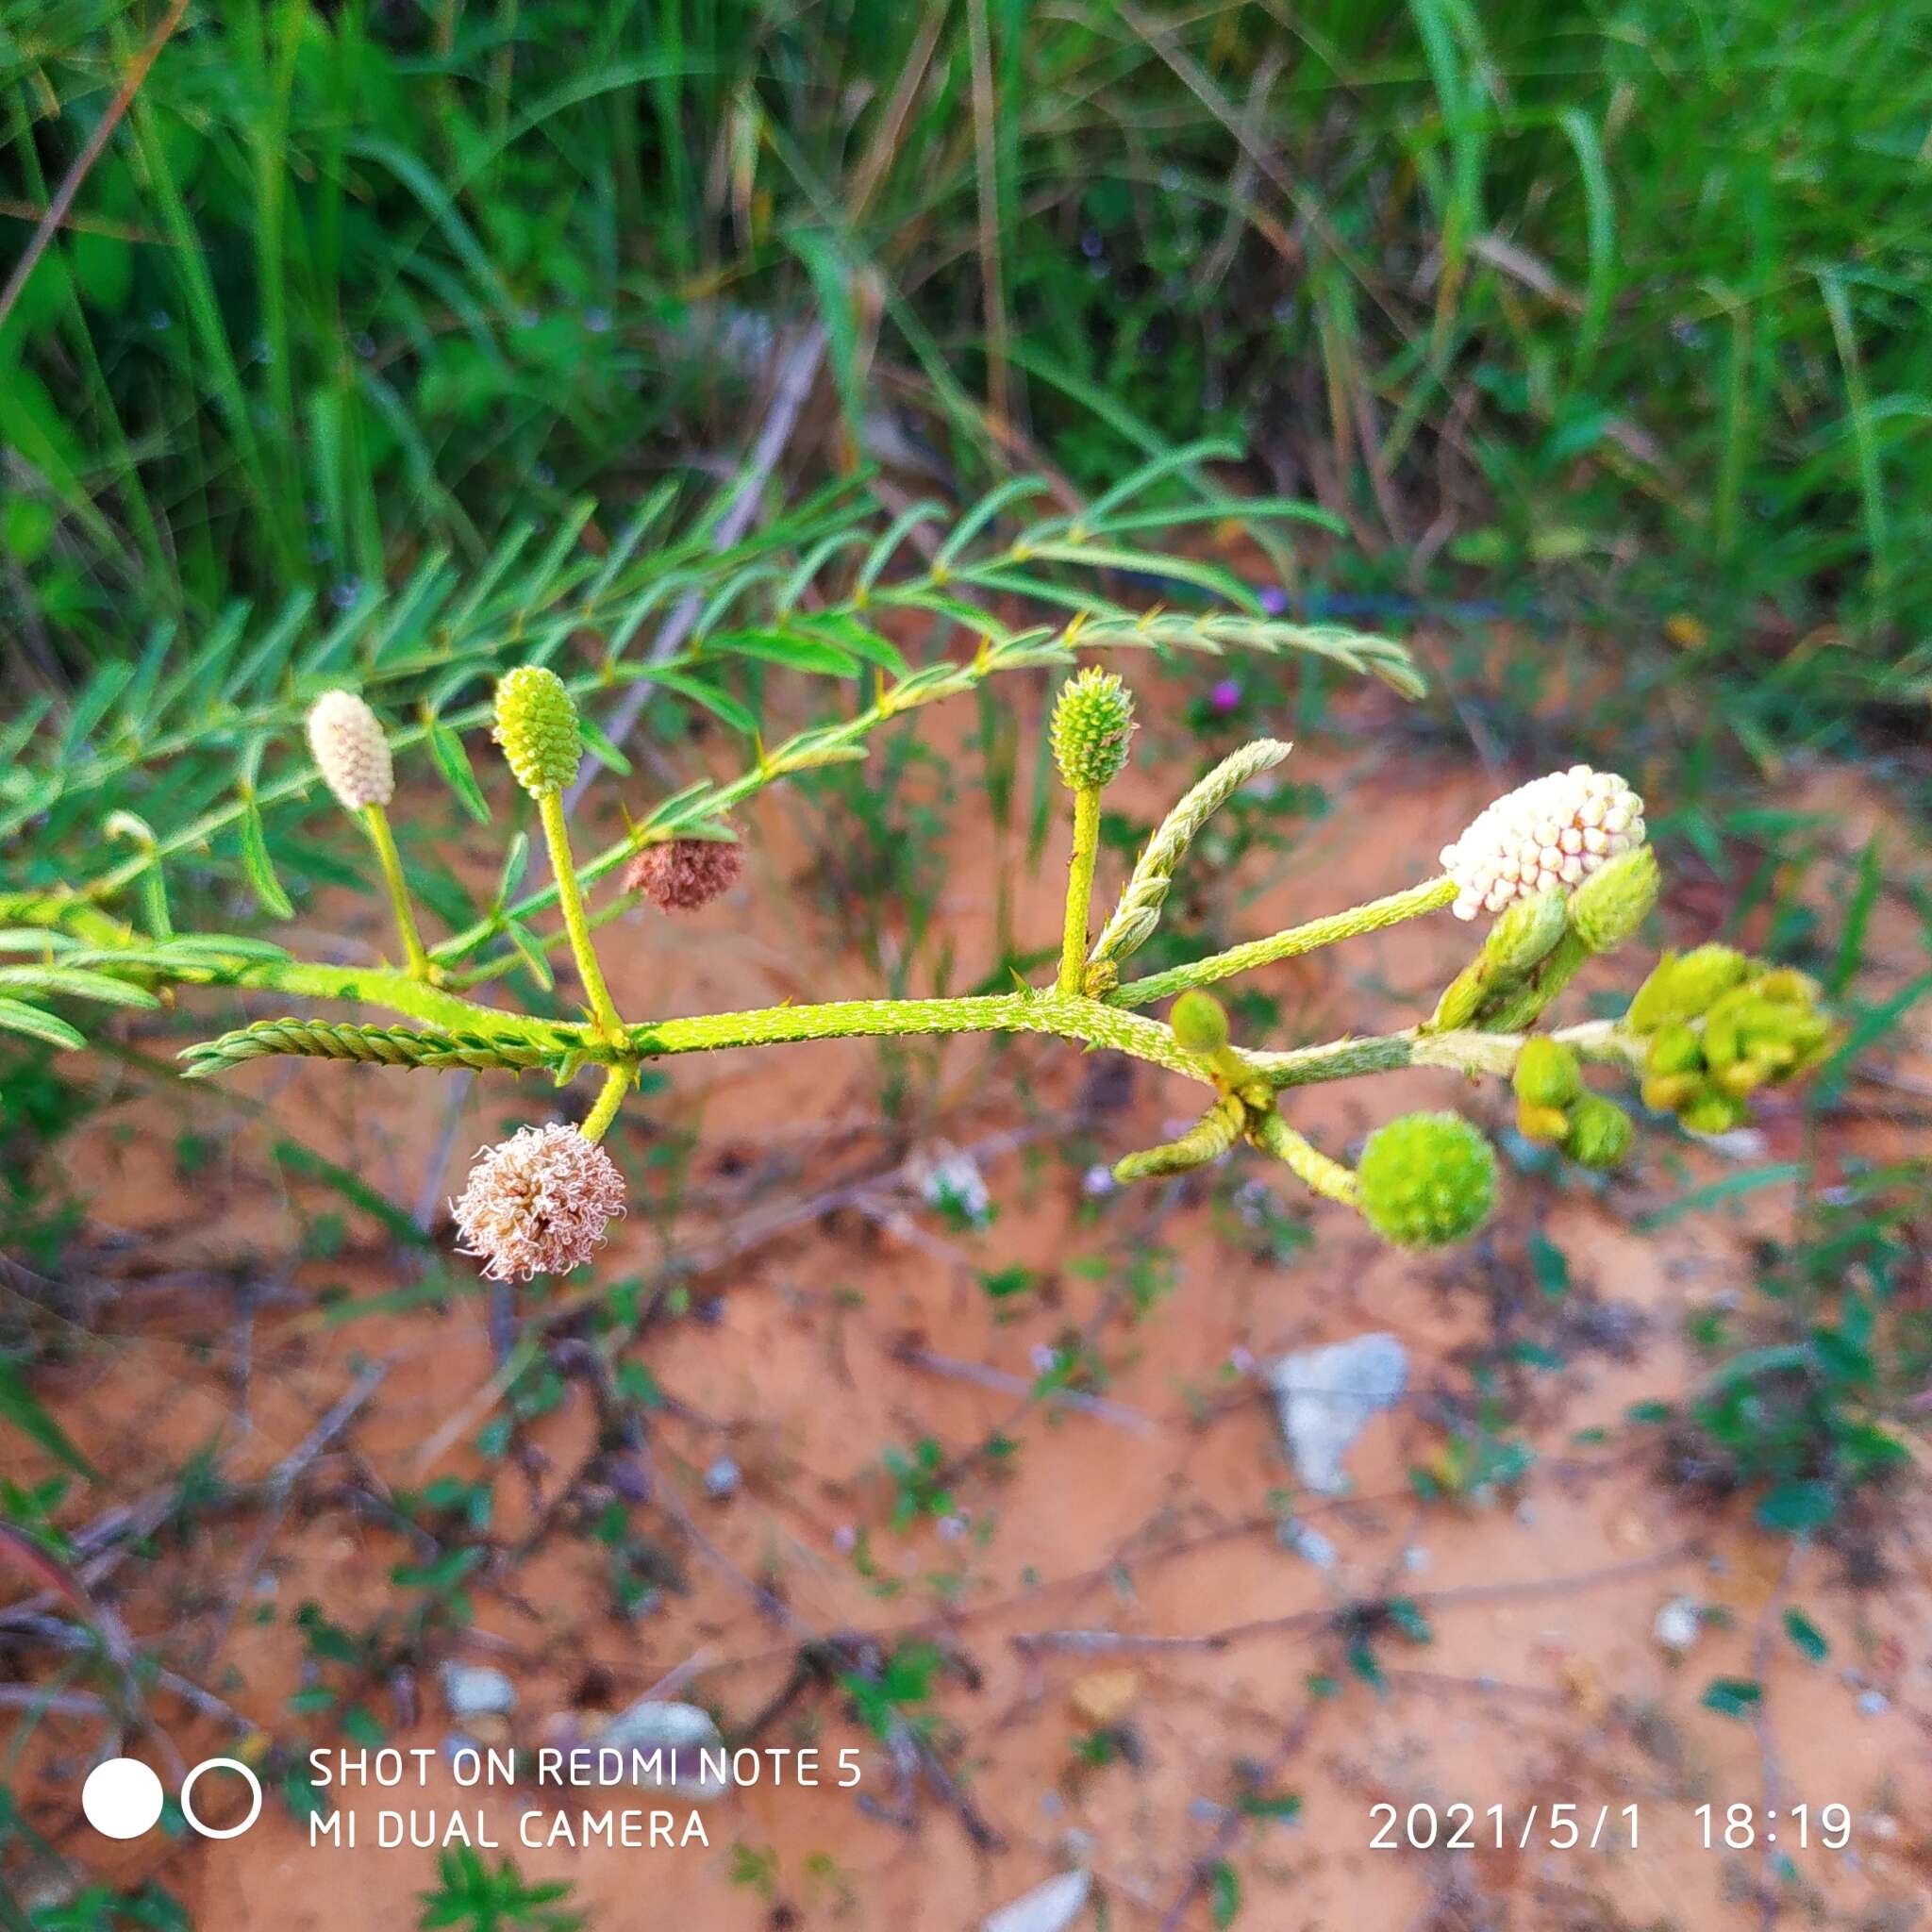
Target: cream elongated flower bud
(538,1203)
(1555,831)
(351,750)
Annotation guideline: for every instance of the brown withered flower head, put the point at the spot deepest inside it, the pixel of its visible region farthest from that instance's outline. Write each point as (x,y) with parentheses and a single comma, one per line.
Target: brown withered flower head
(538,1203)
(681,875)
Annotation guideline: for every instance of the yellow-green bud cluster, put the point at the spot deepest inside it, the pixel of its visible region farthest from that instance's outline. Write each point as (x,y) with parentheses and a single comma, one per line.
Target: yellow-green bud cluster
(1719,1026)
(1426,1179)
(537,726)
(1092,720)
(1552,1104)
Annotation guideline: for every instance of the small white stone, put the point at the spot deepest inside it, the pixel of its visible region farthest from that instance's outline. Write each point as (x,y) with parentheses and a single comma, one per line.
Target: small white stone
(1677,1626)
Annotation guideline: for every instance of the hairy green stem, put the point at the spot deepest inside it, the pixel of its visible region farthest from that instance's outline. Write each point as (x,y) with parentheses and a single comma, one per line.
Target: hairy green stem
(1070,1017)
(616,1084)
(1080,887)
(1430,896)
(1320,1174)
(570,896)
(376,819)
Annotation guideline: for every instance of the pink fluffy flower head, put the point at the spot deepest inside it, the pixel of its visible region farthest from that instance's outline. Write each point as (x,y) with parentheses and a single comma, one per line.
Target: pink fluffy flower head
(538,1203)
(682,875)
(1553,831)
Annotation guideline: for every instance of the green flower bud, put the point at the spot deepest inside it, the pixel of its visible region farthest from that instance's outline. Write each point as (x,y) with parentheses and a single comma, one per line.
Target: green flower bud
(537,726)
(1675,1049)
(1668,1092)
(1742,1077)
(1524,935)
(1714,1113)
(1426,1179)
(1547,1072)
(1092,720)
(1462,998)
(1535,1123)
(1609,907)
(1600,1132)
(1199,1021)
(1724,1028)
(1682,986)
(1786,986)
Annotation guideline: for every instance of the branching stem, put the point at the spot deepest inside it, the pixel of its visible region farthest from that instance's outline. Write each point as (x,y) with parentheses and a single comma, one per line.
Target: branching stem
(1430,896)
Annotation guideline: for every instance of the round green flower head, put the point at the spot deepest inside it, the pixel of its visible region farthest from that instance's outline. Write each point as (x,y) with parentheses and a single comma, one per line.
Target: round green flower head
(537,726)
(1199,1021)
(1092,720)
(1609,907)
(1426,1179)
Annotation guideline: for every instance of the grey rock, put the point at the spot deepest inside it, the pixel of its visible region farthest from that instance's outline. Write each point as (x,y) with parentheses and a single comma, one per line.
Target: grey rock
(1049,1907)
(1325,1396)
(476,1690)
(1873,1704)
(681,1733)
(721,1479)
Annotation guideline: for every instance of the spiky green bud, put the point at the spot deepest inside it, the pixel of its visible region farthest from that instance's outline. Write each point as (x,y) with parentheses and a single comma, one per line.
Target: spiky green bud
(1609,907)
(1200,1023)
(1682,986)
(1092,720)
(1600,1132)
(537,726)
(1426,1179)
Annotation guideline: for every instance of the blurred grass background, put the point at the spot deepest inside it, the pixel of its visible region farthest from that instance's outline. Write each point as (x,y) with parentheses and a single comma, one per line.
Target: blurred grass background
(1607,308)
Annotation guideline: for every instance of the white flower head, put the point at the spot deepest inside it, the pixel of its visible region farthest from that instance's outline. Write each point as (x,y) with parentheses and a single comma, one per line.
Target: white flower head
(539,1203)
(1553,831)
(351,750)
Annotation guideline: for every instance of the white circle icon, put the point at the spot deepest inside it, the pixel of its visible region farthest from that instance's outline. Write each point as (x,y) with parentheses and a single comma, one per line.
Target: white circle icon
(121,1798)
(233,1764)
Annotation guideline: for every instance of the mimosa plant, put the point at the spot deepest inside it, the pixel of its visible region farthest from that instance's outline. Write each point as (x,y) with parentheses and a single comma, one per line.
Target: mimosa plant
(1560,868)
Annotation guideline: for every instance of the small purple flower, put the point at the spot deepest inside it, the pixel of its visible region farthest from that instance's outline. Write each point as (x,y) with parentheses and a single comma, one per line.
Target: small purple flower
(1225,696)
(1275,601)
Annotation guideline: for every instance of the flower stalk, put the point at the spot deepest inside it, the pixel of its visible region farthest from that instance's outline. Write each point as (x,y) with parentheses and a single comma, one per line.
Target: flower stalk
(415,955)
(1080,888)
(616,1084)
(570,899)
